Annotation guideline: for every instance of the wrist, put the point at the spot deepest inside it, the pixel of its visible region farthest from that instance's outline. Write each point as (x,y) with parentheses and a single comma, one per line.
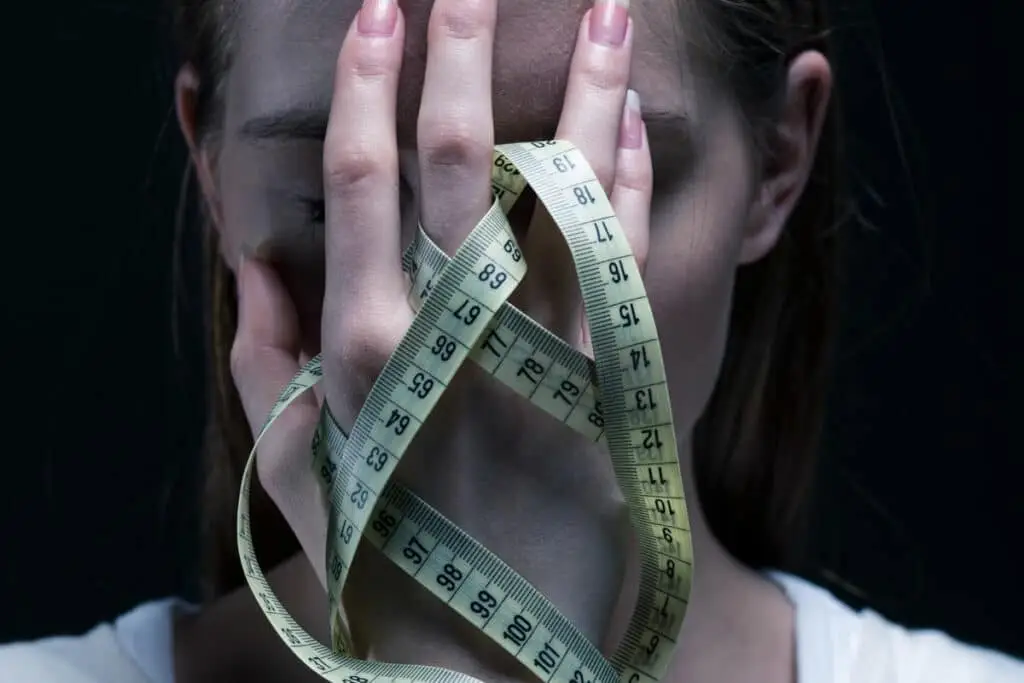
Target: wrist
(533,492)
(395,619)
(572,554)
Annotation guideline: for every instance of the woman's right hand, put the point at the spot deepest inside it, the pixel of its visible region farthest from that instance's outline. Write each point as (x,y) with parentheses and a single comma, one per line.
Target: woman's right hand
(482,438)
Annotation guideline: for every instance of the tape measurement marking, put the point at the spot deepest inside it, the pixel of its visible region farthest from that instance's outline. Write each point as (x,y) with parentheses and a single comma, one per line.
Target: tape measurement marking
(620,399)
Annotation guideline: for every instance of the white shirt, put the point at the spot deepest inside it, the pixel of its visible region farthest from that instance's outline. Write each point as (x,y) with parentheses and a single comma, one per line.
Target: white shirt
(834,645)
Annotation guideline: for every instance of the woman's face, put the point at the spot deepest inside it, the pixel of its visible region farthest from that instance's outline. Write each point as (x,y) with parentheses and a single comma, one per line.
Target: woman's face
(707,217)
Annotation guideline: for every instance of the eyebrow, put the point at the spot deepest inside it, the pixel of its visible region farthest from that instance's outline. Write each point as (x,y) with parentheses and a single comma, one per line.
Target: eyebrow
(298,124)
(301,123)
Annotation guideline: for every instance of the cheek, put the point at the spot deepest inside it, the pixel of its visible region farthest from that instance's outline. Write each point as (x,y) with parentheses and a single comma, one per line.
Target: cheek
(689,278)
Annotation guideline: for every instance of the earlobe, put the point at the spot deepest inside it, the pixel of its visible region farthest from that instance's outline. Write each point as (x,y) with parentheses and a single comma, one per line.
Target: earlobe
(793,147)
(186,89)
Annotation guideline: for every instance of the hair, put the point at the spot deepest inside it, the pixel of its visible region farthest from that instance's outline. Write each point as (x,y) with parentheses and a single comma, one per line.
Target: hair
(756,444)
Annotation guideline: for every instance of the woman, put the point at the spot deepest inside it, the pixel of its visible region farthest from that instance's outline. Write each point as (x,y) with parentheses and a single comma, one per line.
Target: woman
(711,125)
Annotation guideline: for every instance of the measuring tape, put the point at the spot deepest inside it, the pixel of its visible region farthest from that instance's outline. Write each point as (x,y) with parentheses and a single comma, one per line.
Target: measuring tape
(620,399)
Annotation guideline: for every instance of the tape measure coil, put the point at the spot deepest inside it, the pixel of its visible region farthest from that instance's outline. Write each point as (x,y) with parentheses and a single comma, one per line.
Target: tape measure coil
(630,412)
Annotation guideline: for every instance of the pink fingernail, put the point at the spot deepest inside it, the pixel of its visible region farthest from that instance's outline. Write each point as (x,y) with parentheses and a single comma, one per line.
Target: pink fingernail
(378,18)
(631,134)
(608,22)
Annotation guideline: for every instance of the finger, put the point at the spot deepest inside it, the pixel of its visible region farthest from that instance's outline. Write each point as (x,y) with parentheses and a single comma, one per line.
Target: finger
(264,358)
(455,129)
(634,181)
(591,116)
(631,200)
(361,178)
(596,89)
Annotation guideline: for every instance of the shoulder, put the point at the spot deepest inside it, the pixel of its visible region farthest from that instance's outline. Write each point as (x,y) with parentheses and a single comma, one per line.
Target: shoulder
(135,648)
(836,644)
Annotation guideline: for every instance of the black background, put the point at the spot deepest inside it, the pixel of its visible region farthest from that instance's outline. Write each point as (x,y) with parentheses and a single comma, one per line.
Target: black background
(919,514)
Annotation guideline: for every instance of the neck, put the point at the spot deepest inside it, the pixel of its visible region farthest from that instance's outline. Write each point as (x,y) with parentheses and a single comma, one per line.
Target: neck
(739,624)
(738,627)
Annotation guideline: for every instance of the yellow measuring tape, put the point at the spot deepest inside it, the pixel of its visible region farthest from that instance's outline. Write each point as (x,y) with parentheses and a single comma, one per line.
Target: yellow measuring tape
(620,398)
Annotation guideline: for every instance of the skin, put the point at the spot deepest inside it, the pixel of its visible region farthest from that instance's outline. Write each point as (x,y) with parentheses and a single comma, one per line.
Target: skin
(394,130)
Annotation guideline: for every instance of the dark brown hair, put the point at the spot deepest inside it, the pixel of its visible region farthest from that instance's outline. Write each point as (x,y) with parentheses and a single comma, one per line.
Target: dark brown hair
(756,444)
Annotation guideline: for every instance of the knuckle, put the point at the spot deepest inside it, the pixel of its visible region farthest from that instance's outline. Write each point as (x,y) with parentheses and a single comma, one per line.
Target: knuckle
(370,68)
(603,76)
(362,60)
(454,143)
(367,64)
(466,20)
(354,166)
(360,350)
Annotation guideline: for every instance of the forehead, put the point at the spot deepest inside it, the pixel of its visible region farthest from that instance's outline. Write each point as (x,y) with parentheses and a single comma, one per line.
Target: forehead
(285,52)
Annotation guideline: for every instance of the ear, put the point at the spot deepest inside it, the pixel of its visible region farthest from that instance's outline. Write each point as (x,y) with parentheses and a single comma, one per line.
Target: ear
(793,148)
(186,94)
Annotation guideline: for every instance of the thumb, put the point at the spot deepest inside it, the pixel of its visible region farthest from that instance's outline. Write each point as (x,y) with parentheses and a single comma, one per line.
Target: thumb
(265,352)
(264,359)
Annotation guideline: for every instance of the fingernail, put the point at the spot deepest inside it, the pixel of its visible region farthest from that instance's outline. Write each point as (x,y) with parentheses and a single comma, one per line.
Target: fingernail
(608,22)
(631,134)
(378,18)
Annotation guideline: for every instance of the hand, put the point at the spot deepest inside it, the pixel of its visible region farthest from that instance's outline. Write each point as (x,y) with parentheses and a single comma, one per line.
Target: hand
(485,458)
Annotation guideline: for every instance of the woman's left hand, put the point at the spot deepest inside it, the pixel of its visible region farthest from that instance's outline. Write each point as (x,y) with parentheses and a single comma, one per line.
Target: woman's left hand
(484,456)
